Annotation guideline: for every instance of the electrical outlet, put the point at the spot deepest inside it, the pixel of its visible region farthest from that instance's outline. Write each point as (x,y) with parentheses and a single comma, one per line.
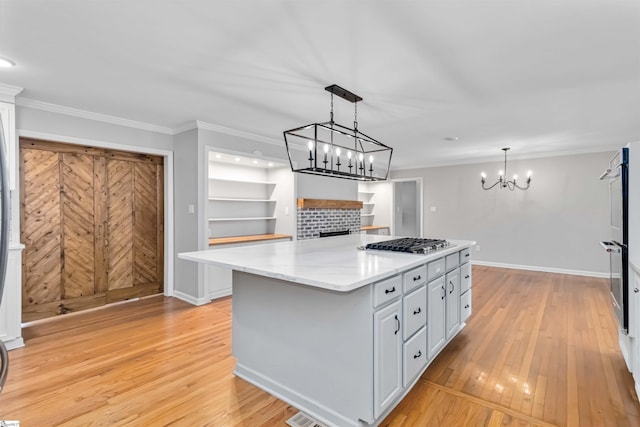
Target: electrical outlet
(191,209)
(433,209)
(477,248)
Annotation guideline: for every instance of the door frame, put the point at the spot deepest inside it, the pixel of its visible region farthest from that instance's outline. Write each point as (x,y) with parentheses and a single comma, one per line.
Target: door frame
(418,181)
(168,191)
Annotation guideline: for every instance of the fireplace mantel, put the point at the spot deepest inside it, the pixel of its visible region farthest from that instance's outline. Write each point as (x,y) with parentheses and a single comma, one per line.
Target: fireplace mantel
(328,204)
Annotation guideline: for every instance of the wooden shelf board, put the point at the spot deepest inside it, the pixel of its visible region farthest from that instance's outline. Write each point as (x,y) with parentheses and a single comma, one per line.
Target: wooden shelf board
(213,241)
(373,227)
(328,204)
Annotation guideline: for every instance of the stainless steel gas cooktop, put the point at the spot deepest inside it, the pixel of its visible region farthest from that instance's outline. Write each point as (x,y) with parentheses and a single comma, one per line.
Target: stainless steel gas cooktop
(412,245)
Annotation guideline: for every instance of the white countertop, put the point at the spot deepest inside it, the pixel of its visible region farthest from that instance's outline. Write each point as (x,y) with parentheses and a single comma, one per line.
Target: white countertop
(333,263)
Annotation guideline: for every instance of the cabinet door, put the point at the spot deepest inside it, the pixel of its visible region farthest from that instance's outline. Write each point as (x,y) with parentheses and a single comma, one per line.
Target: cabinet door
(453,301)
(387,357)
(436,316)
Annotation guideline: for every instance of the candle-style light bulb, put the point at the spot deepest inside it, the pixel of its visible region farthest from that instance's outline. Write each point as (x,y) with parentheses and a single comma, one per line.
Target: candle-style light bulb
(310,144)
(501,172)
(338,158)
(371,166)
(483,177)
(361,167)
(529,173)
(349,157)
(326,150)
(515,177)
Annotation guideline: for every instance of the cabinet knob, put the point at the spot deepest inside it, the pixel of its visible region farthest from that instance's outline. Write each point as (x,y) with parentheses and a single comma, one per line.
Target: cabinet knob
(466,306)
(418,311)
(415,356)
(467,276)
(636,290)
(418,277)
(388,291)
(466,255)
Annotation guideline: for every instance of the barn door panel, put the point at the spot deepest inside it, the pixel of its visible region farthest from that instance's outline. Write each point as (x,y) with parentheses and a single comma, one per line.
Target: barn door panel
(78,272)
(40,227)
(120,222)
(92,223)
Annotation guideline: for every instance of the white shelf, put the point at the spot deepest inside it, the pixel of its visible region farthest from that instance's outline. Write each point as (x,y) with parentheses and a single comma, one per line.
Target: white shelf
(366,192)
(241,181)
(261,218)
(367,214)
(229,199)
(368,204)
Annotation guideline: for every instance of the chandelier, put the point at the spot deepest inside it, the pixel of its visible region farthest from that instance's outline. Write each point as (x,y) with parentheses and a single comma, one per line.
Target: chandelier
(502,180)
(331,149)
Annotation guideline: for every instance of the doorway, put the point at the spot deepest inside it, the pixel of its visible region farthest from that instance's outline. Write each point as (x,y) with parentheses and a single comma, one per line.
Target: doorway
(92,220)
(407,203)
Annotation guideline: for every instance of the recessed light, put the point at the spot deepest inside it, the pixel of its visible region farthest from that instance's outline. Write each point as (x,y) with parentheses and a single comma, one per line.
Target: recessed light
(218,156)
(270,164)
(255,162)
(451,138)
(6,63)
(237,159)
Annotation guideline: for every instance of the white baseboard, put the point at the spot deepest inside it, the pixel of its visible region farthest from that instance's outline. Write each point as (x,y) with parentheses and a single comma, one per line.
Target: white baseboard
(219,294)
(543,269)
(13,343)
(190,299)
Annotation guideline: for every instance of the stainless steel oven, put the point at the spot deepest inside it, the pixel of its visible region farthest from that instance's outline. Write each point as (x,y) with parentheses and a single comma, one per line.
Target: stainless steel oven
(618,177)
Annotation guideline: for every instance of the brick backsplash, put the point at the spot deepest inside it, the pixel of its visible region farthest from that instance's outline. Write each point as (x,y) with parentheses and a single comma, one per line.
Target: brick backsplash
(312,221)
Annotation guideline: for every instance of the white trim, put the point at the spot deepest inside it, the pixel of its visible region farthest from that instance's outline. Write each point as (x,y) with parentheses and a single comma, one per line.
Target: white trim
(8,93)
(105,118)
(219,294)
(543,269)
(12,344)
(168,188)
(492,158)
(235,132)
(190,298)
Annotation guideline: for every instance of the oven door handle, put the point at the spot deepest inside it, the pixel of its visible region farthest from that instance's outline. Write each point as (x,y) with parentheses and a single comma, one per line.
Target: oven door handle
(611,247)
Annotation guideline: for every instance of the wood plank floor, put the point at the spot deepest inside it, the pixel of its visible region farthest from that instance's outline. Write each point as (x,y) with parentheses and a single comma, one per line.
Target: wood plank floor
(540,350)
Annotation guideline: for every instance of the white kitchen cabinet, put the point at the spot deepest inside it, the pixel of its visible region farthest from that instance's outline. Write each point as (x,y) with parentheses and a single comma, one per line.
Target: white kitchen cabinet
(387,356)
(436,316)
(414,310)
(453,301)
(465,292)
(415,356)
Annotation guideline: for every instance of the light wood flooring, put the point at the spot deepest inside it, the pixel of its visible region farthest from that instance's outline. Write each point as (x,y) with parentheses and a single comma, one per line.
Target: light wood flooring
(539,350)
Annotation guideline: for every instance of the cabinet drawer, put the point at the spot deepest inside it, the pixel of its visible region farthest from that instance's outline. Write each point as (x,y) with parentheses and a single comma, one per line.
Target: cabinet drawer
(465,255)
(452,261)
(465,277)
(465,306)
(435,268)
(387,290)
(415,356)
(414,312)
(414,278)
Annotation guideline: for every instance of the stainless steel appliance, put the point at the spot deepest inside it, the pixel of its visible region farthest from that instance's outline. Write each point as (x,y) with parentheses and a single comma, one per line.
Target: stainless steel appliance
(618,176)
(413,245)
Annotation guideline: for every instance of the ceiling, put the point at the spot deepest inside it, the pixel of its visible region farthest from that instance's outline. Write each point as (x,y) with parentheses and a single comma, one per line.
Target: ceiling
(545,76)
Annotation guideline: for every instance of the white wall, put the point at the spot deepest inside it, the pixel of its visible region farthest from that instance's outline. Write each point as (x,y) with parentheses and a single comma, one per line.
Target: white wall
(555,225)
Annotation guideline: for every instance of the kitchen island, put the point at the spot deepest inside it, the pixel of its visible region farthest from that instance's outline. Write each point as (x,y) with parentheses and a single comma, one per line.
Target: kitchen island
(339,332)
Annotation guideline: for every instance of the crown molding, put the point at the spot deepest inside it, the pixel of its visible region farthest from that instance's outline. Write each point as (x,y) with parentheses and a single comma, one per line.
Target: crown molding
(105,118)
(492,158)
(8,93)
(235,132)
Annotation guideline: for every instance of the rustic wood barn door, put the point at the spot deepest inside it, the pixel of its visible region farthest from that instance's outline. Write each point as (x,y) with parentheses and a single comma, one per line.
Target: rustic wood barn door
(92,223)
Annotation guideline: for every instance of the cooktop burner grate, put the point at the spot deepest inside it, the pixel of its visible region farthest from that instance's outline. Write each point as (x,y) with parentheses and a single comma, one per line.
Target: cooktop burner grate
(410,244)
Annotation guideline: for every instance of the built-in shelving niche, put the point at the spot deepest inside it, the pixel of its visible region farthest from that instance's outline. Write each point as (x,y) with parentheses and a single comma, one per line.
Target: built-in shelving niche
(249,201)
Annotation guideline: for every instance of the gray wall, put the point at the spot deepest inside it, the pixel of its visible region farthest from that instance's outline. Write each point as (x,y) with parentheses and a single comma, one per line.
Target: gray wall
(77,127)
(555,224)
(186,166)
(322,187)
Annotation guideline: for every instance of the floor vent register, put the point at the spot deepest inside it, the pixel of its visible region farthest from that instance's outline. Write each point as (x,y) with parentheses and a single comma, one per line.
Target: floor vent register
(303,420)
